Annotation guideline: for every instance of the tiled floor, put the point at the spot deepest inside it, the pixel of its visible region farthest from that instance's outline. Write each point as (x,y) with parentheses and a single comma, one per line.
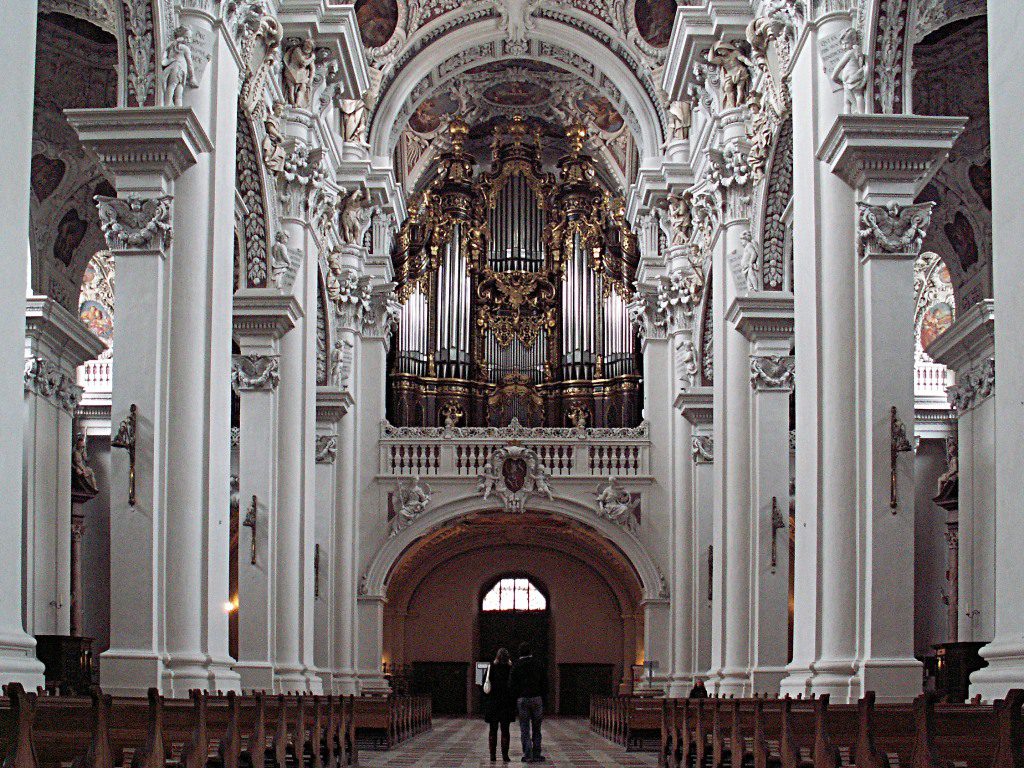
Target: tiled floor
(463,744)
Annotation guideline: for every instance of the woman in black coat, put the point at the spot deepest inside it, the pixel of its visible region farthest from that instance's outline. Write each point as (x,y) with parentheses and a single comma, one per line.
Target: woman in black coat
(499,705)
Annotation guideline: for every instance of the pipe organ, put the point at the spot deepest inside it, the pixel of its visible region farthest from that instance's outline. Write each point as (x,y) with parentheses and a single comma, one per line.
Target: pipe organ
(514,284)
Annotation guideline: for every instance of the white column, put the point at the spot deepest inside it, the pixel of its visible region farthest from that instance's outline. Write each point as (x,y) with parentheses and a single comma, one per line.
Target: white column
(346,543)
(161,591)
(371,375)
(871,540)
(331,406)
(824,265)
(261,318)
(198,397)
(683,545)
(17,50)
(56,343)
(1005,654)
(697,408)
(968,348)
(766,319)
(732,431)
(295,519)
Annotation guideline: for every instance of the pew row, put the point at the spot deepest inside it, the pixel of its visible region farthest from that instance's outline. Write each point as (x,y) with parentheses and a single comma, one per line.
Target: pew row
(203,731)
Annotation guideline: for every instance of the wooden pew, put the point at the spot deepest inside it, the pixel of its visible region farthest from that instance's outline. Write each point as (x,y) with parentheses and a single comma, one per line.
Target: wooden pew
(643,720)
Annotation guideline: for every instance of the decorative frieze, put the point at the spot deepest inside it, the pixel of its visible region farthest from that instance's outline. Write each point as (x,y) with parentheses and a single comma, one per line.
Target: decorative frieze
(134,222)
(702,447)
(326,449)
(973,385)
(893,229)
(772,372)
(46,379)
(255,372)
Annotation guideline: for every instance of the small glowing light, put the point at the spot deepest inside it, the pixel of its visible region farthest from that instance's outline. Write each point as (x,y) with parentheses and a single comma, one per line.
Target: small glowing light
(230,606)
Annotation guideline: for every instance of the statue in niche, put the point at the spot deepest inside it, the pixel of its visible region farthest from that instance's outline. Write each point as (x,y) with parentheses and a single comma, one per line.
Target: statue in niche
(178,68)
(680,218)
(83,477)
(299,71)
(680,119)
(353,217)
(735,73)
(274,155)
(412,502)
(851,72)
(353,118)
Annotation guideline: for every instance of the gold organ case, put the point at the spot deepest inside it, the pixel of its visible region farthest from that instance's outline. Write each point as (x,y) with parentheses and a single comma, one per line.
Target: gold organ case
(514,284)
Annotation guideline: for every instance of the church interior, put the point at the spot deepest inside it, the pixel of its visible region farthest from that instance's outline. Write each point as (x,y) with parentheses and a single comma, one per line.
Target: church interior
(360,340)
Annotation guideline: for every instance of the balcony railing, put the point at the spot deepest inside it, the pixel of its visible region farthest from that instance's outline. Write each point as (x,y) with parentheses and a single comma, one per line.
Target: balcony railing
(571,452)
(931,381)
(96,377)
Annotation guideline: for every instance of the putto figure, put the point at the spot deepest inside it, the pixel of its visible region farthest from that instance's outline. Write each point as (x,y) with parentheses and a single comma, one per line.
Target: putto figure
(179,70)
(299,71)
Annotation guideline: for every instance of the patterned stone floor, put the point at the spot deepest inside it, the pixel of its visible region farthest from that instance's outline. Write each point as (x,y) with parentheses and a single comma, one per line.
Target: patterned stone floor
(462,743)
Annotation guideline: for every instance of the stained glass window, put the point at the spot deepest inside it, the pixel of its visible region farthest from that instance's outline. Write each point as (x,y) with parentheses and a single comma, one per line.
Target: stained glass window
(514,595)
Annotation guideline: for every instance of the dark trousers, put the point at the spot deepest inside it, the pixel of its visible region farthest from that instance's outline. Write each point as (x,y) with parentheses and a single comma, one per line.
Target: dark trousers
(531,712)
(492,738)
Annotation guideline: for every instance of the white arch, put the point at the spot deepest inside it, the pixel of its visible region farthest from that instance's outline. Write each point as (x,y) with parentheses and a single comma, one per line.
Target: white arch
(483,32)
(652,582)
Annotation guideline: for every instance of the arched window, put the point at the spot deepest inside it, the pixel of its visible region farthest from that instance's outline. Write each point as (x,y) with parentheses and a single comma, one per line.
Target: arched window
(514,595)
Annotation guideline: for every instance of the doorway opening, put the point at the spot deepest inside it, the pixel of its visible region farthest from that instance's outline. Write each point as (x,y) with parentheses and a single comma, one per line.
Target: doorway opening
(514,610)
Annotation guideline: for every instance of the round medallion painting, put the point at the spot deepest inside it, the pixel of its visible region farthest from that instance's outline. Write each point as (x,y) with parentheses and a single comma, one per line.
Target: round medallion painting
(936,319)
(377,21)
(97,319)
(654,19)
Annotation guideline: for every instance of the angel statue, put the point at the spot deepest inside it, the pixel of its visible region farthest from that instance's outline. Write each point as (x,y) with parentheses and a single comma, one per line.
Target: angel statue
(616,504)
(489,478)
(851,72)
(353,217)
(680,118)
(179,70)
(412,501)
(751,262)
(735,70)
(83,478)
(274,154)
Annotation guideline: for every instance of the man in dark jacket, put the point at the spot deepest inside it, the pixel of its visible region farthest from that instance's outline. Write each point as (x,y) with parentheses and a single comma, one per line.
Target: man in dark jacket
(528,685)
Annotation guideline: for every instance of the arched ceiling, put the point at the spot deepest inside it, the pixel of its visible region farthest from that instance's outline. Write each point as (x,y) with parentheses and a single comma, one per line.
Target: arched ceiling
(486,530)
(554,61)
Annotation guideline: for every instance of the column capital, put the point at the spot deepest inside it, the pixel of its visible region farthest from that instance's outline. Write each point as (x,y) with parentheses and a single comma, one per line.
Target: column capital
(261,316)
(772,373)
(702,447)
(697,405)
(969,340)
(326,449)
(145,148)
(889,157)
(251,373)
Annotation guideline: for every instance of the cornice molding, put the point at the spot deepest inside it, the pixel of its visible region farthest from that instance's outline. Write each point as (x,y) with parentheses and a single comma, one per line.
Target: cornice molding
(969,340)
(697,405)
(263,313)
(54,333)
(134,142)
(763,316)
(332,404)
(895,155)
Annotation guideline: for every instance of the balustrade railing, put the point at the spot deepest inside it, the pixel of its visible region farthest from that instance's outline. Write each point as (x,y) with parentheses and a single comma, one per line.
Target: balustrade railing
(565,452)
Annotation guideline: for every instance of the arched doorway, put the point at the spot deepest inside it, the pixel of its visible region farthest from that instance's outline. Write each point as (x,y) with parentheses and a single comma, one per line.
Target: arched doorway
(514,610)
(436,628)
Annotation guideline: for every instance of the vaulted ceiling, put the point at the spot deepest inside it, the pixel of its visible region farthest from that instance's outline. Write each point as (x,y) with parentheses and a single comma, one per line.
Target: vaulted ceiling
(555,62)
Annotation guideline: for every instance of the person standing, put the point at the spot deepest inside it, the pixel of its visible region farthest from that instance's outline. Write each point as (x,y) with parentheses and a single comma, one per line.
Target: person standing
(499,703)
(528,685)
